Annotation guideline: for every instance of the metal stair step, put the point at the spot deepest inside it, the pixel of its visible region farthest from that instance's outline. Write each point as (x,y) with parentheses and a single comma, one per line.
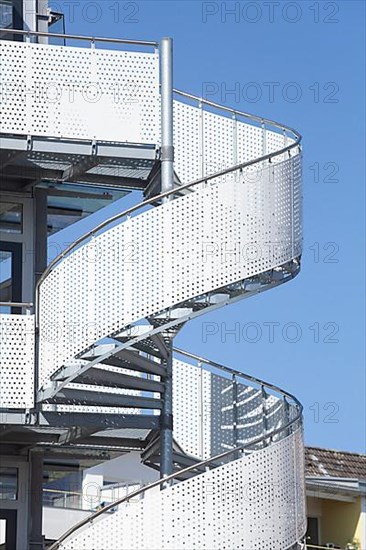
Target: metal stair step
(175,313)
(131,360)
(71,396)
(101,377)
(145,346)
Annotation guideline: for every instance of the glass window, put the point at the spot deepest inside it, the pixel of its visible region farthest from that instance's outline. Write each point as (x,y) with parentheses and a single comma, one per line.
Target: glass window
(6,14)
(11,217)
(8,483)
(5,277)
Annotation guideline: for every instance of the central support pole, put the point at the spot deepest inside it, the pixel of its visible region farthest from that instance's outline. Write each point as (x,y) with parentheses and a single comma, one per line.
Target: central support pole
(167,183)
(167,148)
(166,418)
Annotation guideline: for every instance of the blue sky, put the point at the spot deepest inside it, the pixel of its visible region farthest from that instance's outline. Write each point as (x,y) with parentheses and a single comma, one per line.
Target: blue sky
(313,53)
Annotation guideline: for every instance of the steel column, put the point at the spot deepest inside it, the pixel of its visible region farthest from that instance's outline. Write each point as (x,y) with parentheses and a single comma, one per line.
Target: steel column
(167,182)
(166,418)
(167,148)
(36,501)
(41,231)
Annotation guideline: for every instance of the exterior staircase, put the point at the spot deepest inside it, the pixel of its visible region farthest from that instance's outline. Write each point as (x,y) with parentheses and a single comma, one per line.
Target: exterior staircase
(110,305)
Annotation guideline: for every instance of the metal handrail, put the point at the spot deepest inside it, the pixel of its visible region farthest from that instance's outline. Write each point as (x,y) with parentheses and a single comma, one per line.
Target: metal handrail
(81,37)
(161,196)
(237,373)
(166,479)
(16,304)
(206,462)
(236,112)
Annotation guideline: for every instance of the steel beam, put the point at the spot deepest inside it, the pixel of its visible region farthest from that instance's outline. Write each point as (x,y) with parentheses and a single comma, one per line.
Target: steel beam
(158,341)
(36,501)
(73,172)
(75,147)
(76,433)
(123,442)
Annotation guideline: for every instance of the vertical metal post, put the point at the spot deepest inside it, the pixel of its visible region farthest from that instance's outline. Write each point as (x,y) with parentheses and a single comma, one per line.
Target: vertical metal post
(201,143)
(264,139)
(202,411)
(167,147)
(235,411)
(41,232)
(167,182)
(286,408)
(166,418)
(36,501)
(264,414)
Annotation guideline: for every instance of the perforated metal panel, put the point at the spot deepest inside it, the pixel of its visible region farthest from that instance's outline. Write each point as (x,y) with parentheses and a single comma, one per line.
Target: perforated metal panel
(205,416)
(167,255)
(250,503)
(188,161)
(16,361)
(79,93)
(192,409)
(206,142)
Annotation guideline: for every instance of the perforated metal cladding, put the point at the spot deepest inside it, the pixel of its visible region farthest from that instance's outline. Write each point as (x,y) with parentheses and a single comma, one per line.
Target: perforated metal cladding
(192,409)
(79,93)
(205,416)
(131,530)
(206,142)
(14,111)
(165,256)
(188,161)
(251,503)
(17,361)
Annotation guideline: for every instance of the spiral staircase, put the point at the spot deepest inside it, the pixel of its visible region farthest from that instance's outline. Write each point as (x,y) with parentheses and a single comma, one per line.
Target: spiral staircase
(109,307)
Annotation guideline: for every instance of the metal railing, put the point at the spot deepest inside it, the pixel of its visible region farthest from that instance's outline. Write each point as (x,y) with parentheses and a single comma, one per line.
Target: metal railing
(240,374)
(81,500)
(262,121)
(205,179)
(290,427)
(166,480)
(91,39)
(27,306)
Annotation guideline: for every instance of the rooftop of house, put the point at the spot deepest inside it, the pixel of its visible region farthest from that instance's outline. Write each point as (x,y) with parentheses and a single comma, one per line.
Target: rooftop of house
(330,463)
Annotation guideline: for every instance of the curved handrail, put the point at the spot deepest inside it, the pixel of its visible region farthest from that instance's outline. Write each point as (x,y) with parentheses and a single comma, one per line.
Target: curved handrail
(206,462)
(257,118)
(166,479)
(237,373)
(166,194)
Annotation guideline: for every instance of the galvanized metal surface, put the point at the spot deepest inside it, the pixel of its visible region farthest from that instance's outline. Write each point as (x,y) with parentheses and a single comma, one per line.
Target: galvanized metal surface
(79,93)
(264,509)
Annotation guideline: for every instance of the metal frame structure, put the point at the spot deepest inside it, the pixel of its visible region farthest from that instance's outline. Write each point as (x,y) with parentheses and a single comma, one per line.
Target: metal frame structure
(124,378)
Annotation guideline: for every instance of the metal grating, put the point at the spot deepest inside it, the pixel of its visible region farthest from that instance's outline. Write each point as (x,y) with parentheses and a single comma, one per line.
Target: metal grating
(17,361)
(79,93)
(252,502)
(167,255)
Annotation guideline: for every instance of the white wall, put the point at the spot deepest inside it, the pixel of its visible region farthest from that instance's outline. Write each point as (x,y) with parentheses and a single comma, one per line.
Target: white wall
(57,520)
(126,468)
